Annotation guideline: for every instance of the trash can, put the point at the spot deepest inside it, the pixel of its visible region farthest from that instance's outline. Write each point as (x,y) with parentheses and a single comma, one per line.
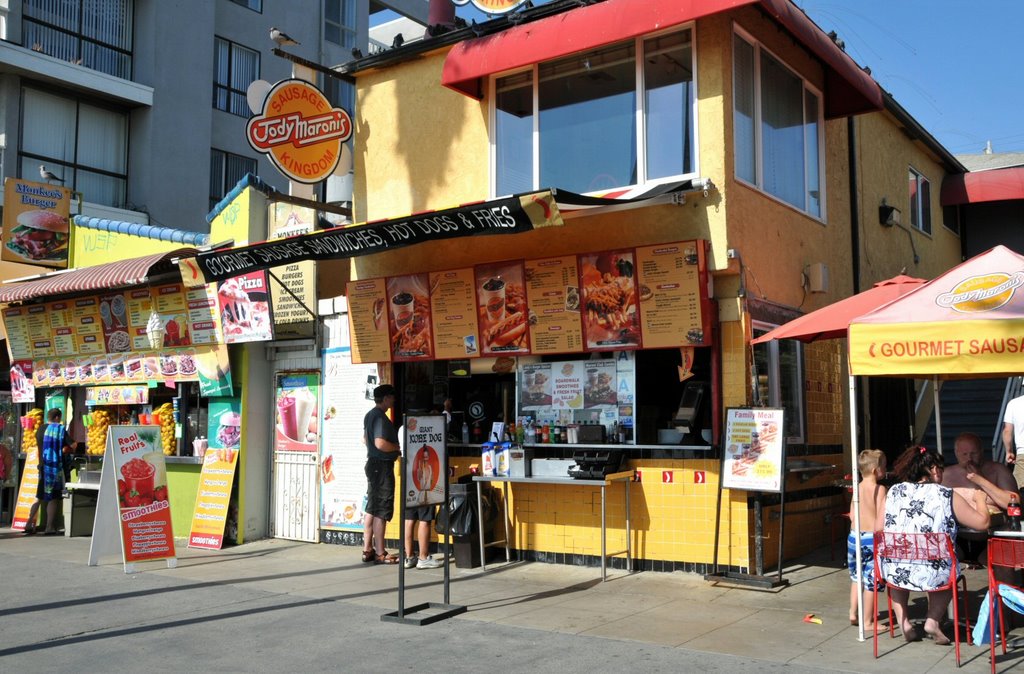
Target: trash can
(465,522)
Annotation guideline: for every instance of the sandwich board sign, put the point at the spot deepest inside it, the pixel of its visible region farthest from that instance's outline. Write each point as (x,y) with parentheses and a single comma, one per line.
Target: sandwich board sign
(133,514)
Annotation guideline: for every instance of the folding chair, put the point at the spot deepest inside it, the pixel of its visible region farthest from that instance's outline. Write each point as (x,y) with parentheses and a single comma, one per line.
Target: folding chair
(1007,553)
(897,547)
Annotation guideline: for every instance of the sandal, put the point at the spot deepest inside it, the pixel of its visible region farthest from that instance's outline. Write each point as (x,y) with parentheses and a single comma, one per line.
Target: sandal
(385,558)
(369,556)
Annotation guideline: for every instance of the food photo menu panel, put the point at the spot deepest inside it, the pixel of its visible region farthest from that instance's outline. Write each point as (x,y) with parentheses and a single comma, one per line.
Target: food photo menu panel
(409,317)
(553,298)
(610,315)
(501,308)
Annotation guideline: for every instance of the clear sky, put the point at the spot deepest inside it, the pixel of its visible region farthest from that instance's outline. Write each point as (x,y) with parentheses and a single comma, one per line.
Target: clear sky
(957,66)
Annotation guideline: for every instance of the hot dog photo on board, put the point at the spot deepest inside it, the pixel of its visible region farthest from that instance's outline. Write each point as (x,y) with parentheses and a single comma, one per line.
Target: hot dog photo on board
(501,308)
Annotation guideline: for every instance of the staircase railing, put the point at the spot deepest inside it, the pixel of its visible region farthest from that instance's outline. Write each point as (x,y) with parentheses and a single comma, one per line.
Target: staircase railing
(924,405)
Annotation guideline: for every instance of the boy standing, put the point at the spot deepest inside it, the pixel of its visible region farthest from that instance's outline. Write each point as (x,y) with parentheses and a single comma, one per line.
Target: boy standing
(871,464)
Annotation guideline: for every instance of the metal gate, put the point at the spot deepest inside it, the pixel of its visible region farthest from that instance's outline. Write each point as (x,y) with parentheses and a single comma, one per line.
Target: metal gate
(295,496)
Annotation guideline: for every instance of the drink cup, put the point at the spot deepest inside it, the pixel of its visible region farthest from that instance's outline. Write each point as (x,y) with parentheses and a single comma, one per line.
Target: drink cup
(139,476)
(401,309)
(286,411)
(143,419)
(305,404)
(493,294)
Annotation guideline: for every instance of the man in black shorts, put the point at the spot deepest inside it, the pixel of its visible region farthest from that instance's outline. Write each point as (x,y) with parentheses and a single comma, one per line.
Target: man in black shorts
(419,519)
(382,449)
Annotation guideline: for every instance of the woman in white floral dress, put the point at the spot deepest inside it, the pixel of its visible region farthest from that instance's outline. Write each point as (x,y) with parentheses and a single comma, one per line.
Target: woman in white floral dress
(919,504)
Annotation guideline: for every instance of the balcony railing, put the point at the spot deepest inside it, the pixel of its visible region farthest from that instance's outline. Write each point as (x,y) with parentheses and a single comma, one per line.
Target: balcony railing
(98,38)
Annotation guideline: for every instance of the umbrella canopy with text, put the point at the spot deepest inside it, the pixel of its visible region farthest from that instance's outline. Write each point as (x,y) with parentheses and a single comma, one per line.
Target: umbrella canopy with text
(966,323)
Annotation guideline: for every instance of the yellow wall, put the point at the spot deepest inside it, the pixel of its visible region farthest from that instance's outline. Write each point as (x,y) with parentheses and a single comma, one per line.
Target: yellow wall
(93,247)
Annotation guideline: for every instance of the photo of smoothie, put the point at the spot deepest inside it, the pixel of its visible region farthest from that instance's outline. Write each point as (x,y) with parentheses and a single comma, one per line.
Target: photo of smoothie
(295,409)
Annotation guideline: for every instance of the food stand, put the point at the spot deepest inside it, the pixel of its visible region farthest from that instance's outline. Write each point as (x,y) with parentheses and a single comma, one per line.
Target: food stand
(124,343)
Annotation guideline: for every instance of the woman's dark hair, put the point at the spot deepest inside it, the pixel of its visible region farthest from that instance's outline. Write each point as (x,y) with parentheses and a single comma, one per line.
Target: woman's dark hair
(915,463)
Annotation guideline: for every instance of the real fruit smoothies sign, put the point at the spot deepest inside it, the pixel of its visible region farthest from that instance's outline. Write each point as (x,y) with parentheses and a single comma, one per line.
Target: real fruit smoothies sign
(300,131)
(35,223)
(143,507)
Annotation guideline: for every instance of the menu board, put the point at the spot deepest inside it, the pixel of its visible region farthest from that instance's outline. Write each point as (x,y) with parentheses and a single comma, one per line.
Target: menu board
(368,326)
(669,291)
(169,303)
(169,365)
(140,305)
(453,308)
(85,314)
(553,298)
(501,308)
(19,344)
(62,329)
(203,314)
(754,458)
(409,318)
(609,300)
(117,395)
(38,326)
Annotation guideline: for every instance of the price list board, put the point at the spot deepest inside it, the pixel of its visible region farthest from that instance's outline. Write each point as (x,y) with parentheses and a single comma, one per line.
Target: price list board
(62,328)
(453,308)
(203,314)
(169,301)
(368,320)
(669,292)
(140,304)
(39,331)
(553,297)
(19,343)
(85,314)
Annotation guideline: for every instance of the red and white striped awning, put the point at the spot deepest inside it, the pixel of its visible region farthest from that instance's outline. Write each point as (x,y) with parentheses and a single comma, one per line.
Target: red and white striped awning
(120,274)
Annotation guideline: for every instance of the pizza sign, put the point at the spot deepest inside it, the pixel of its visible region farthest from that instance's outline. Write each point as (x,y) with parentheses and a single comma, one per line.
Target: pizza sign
(300,131)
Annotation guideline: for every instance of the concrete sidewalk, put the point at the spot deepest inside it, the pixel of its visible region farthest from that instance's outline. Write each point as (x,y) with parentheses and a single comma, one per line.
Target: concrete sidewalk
(674,610)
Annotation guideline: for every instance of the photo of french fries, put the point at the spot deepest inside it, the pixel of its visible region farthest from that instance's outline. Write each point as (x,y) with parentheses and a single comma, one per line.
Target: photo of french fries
(609,299)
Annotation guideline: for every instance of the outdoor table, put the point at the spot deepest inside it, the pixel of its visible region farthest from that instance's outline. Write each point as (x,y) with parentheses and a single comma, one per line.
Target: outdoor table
(625,477)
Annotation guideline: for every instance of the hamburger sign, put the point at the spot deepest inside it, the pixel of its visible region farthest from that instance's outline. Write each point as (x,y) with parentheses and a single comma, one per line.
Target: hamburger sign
(36,227)
(300,131)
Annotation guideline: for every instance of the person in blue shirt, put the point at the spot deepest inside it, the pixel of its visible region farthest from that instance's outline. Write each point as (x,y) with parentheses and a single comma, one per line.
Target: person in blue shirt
(52,441)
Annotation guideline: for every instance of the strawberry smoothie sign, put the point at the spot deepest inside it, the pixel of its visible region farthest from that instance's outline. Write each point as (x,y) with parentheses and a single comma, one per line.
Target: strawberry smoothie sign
(139,477)
(299,131)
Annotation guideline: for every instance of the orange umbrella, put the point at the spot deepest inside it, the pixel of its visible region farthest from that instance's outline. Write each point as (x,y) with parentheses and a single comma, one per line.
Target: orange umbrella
(833,321)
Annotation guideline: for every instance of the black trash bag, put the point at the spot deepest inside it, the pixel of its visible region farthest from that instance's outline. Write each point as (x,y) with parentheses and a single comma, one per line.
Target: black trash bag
(461,512)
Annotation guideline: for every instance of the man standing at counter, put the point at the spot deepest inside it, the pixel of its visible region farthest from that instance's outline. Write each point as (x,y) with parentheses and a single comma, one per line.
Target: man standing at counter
(52,442)
(382,449)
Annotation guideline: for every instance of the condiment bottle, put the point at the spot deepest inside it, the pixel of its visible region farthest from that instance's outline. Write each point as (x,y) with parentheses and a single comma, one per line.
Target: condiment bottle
(545,434)
(465,433)
(1013,514)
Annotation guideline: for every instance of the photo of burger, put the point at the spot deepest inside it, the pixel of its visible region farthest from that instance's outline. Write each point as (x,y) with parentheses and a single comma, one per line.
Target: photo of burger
(40,236)
(229,433)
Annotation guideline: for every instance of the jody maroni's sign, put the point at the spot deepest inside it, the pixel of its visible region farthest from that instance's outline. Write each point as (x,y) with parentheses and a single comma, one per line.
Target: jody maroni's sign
(511,215)
(300,131)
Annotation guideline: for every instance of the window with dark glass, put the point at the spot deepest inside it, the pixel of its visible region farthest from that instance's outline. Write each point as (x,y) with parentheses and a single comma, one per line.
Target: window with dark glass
(81,142)
(777,126)
(778,370)
(340,22)
(234,68)
(920,202)
(254,5)
(226,169)
(96,34)
(611,117)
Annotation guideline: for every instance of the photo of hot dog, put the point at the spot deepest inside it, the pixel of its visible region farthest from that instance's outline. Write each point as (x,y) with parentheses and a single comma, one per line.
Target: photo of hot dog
(503,316)
(507,331)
